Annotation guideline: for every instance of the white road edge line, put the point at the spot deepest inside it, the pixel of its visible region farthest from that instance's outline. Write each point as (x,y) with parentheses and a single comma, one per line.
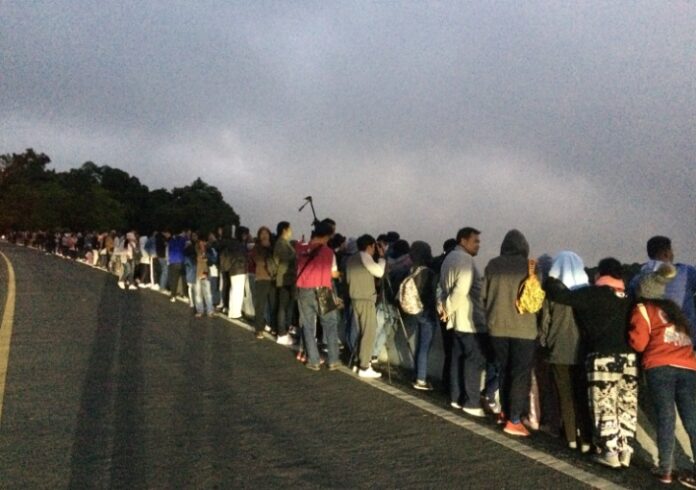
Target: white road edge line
(6,329)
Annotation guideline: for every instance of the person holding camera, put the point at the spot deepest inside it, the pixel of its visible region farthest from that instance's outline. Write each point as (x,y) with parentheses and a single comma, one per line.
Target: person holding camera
(361,271)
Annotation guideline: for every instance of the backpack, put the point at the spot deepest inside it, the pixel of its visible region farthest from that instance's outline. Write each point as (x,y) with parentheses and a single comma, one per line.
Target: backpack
(408,296)
(530,295)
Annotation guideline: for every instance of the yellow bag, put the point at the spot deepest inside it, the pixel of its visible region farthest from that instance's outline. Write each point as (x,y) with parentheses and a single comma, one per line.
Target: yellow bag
(530,295)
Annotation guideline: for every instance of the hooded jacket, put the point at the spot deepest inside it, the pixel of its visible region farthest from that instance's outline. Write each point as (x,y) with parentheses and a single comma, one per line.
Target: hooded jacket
(233,254)
(502,278)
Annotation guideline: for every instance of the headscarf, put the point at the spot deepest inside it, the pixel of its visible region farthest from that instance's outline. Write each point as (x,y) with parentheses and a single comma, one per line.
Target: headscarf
(569,268)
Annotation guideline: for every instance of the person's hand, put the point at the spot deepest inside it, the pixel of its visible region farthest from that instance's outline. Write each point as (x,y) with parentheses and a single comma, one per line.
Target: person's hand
(442,313)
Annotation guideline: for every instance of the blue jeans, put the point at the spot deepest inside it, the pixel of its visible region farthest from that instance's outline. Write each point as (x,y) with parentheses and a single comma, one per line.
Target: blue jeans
(309,312)
(202,297)
(425,324)
(667,385)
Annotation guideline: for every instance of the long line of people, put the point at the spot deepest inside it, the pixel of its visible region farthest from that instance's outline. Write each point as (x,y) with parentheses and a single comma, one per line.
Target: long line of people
(594,334)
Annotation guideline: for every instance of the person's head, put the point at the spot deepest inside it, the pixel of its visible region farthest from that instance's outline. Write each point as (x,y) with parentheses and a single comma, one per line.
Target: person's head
(330,223)
(660,248)
(399,248)
(569,268)
(392,237)
(609,267)
(421,253)
(469,239)
(337,241)
(263,236)
(366,243)
(242,233)
(283,230)
(322,232)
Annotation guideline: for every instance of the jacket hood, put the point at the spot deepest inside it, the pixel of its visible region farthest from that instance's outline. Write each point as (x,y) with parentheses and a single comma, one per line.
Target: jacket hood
(515,243)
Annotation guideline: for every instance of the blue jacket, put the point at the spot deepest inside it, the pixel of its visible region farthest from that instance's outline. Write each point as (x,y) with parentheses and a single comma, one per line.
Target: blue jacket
(177,245)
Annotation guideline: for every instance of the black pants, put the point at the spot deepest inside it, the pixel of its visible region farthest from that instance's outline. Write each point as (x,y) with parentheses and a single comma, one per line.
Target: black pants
(286,296)
(264,295)
(226,285)
(515,360)
(175,271)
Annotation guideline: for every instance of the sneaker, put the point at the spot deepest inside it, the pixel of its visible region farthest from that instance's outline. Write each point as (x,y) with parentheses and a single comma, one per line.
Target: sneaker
(493,406)
(422,385)
(313,367)
(155,287)
(259,335)
(662,475)
(517,429)
(122,284)
(474,412)
(198,315)
(284,340)
(687,480)
(501,419)
(610,459)
(584,447)
(172,299)
(267,328)
(293,330)
(334,366)
(369,373)
(142,285)
(455,405)
(530,424)
(625,458)
(132,287)
(572,445)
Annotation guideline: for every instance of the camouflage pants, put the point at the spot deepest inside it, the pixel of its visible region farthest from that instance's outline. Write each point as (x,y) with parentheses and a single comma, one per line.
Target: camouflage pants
(613,393)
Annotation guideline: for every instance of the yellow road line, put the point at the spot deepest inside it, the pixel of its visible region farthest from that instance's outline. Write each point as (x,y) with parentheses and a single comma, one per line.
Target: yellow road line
(6,329)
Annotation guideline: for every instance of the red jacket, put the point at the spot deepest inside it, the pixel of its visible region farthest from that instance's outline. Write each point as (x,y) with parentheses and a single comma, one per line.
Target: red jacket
(658,340)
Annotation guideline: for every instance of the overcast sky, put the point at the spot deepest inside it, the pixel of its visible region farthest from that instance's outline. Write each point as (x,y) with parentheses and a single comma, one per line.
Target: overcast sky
(574,122)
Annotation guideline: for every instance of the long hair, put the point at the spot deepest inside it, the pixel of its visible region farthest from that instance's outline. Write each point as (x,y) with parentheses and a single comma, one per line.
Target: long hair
(672,311)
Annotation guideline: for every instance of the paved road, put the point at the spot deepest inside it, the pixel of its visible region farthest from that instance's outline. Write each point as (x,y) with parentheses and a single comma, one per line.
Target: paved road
(122,389)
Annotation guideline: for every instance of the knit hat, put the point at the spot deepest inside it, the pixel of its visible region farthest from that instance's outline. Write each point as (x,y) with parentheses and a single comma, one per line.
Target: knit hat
(652,284)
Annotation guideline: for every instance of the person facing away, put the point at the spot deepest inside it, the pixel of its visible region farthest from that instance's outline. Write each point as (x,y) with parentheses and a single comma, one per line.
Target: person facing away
(316,267)
(602,313)
(265,285)
(560,339)
(361,271)
(682,288)
(512,335)
(660,330)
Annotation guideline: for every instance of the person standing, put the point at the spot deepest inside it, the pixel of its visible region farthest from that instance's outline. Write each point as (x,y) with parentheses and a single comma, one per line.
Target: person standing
(565,352)
(361,271)
(459,306)
(512,335)
(602,312)
(285,259)
(175,250)
(316,266)
(660,330)
(265,290)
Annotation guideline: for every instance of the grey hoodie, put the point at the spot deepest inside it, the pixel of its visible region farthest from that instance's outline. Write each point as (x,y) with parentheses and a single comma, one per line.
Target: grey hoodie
(502,279)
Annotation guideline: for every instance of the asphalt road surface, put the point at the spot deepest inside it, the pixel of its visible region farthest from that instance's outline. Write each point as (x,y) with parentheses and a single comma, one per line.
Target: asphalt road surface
(122,389)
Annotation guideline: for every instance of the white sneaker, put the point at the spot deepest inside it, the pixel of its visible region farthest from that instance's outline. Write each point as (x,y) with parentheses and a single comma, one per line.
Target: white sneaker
(155,287)
(369,373)
(132,287)
(284,340)
(474,412)
(142,285)
(172,299)
(122,284)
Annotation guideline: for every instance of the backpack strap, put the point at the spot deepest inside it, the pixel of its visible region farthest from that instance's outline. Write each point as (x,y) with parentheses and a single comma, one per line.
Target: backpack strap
(644,313)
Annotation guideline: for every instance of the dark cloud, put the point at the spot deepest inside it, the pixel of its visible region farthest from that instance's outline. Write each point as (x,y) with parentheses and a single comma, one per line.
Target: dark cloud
(573,122)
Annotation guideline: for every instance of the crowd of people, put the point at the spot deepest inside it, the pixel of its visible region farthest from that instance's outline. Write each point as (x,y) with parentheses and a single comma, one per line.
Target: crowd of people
(592,336)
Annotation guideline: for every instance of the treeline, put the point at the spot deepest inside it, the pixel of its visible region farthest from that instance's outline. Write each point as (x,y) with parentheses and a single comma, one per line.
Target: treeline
(97,198)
